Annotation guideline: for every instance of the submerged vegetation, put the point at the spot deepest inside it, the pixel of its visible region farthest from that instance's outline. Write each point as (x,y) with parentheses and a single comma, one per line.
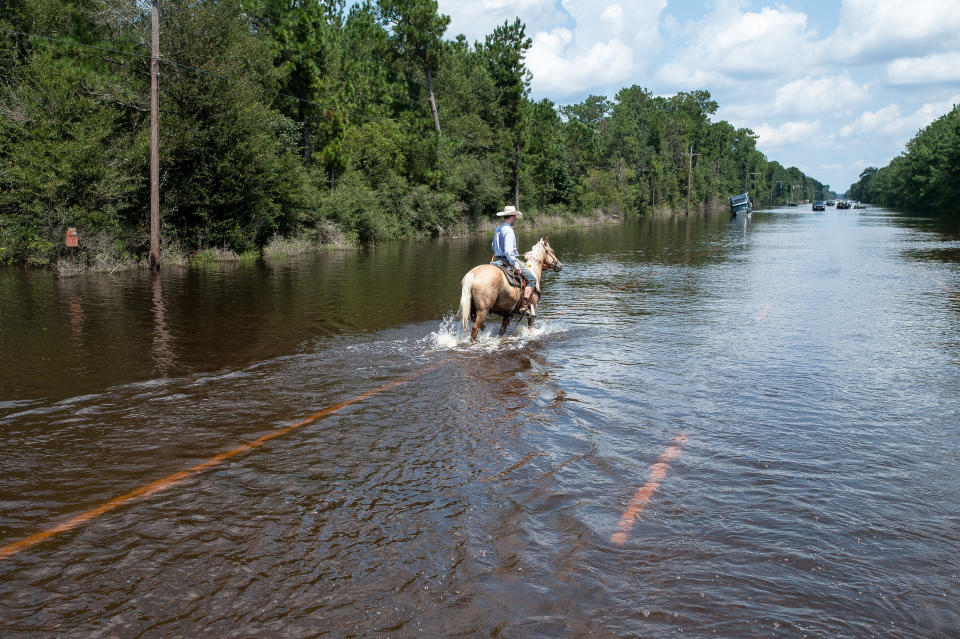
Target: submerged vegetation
(925,177)
(316,123)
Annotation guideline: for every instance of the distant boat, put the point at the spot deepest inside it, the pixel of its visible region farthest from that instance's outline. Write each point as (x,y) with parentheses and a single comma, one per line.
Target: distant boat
(740,205)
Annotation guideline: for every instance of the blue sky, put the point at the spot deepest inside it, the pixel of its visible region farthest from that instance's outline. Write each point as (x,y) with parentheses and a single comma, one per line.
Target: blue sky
(830,87)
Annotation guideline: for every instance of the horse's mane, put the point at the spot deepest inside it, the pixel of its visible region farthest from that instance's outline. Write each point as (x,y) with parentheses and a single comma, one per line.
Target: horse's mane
(536,254)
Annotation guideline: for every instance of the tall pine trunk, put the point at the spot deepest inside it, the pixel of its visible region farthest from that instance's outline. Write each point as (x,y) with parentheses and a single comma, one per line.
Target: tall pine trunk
(433,100)
(516,172)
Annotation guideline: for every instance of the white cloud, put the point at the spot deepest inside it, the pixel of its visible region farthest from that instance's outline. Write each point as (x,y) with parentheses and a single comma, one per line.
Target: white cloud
(889,121)
(772,65)
(819,95)
(606,45)
(787,133)
(934,68)
(881,30)
(578,45)
(885,120)
(614,14)
(479,18)
(560,68)
(828,96)
(730,44)
(928,113)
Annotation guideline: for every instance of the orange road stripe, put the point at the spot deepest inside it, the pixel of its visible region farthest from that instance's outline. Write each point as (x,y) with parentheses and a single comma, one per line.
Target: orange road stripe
(946,288)
(763,314)
(645,493)
(154,487)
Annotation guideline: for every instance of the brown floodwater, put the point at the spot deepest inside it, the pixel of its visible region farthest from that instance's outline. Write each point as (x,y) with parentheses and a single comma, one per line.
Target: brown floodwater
(716,428)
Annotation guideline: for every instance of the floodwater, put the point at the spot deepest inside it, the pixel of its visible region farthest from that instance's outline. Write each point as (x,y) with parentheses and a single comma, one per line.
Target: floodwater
(716,428)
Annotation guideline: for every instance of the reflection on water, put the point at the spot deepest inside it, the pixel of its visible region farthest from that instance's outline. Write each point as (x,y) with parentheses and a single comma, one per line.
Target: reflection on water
(519,487)
(162,353)
(76,320)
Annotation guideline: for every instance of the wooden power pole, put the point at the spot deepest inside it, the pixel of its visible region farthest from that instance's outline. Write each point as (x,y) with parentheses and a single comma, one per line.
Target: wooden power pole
(154,137)
(755,203)
(690,155)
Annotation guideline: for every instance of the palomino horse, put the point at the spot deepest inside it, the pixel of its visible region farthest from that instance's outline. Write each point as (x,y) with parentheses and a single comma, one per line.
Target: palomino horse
(485,290)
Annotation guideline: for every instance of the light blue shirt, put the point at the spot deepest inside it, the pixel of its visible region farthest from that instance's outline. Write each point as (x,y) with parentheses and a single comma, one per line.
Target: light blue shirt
(505,243)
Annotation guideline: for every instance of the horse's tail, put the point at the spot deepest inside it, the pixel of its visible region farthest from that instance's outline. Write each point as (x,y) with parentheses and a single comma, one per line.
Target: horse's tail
(466,301)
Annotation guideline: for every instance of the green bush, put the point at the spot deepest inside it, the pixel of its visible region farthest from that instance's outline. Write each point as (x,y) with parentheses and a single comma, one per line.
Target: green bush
(356,208)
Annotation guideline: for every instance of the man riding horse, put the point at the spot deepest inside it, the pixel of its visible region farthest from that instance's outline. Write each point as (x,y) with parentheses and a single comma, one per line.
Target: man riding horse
(487,288)
(505,252)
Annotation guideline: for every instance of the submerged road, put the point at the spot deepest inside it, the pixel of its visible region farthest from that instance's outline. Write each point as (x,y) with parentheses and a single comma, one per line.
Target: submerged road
(718,428)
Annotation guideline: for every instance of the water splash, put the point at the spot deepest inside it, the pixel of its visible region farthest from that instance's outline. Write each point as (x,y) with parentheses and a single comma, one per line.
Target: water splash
(450,335)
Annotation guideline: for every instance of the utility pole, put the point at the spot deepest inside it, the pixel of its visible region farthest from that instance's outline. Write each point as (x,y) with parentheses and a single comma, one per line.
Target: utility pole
(755,174)
(690,155)
(154,137)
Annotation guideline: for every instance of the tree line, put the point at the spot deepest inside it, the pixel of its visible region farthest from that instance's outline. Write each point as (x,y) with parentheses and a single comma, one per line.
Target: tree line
(312,119)
(925,177)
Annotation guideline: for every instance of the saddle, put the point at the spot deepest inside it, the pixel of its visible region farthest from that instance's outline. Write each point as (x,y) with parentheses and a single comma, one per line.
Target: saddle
(514,278)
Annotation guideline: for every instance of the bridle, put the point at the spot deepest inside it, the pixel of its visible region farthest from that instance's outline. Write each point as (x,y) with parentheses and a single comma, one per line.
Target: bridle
(555,266)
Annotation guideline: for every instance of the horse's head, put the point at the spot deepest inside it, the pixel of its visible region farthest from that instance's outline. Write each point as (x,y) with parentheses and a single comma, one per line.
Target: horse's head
(549,257)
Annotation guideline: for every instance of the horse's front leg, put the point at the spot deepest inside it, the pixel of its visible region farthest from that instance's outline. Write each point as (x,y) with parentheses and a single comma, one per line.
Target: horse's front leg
(504,324)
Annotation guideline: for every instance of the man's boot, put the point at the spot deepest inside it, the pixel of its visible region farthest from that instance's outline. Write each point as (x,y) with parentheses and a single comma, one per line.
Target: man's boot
(525,307)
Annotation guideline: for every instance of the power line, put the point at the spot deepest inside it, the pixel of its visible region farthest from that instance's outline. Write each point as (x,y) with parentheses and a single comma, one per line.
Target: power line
(359,116)
(170,61)
(77,44)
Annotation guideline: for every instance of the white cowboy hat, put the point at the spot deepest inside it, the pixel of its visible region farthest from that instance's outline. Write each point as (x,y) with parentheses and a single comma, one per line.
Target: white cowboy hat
(508,211)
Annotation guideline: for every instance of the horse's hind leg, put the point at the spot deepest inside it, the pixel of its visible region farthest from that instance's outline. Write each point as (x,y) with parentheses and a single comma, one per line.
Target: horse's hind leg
(477,325)
(504,324)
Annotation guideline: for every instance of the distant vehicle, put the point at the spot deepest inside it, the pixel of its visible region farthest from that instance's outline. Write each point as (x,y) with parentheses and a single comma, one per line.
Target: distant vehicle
(740,205)
(819,205)
(831,202)
(793,204)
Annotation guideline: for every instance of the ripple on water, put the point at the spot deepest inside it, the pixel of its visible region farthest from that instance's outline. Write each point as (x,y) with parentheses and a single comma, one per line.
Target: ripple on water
(815,494)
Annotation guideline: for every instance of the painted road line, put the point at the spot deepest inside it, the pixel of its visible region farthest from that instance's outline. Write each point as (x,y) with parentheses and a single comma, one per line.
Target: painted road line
(164,483)
(645,493)
(940,283)
(762,315)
